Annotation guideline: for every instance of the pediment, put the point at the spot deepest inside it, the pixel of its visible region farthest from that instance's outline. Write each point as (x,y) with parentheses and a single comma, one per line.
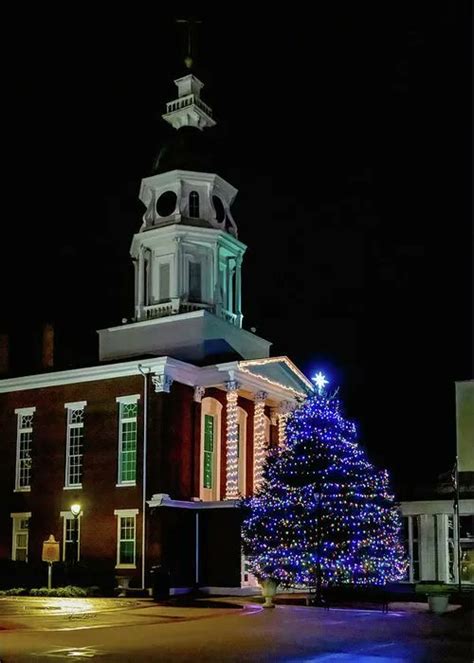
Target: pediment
(279,371)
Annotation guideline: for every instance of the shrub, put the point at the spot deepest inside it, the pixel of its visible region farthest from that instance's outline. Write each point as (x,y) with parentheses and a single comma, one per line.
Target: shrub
(39,591)
(16,591)
(70,592)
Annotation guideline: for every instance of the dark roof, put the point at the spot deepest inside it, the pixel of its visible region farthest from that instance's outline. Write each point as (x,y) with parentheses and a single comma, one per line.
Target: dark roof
(188,148)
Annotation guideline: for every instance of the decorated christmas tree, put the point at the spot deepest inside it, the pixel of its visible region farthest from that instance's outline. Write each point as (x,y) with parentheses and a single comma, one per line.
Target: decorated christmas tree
(324,514)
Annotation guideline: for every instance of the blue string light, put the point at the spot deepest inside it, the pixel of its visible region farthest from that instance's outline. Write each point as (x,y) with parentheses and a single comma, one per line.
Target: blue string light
(323,509)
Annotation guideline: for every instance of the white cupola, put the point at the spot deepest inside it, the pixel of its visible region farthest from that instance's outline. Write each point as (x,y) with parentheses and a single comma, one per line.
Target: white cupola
(186,254)
(188,110)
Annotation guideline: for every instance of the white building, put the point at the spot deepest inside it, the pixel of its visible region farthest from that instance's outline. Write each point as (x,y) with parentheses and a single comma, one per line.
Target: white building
(434,540)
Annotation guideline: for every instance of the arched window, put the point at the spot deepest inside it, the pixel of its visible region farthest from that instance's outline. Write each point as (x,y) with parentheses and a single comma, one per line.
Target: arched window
(194,204)
(209,484)
(242,449)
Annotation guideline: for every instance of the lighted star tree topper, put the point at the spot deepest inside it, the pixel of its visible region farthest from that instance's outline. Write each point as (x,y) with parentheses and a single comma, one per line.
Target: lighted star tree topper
(324,515)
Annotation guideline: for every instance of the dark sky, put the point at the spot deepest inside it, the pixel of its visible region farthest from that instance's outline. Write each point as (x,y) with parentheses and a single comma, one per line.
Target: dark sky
(348,136)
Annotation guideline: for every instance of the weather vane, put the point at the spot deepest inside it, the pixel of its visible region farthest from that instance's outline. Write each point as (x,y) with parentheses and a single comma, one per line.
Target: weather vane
(190,23)
(320,381)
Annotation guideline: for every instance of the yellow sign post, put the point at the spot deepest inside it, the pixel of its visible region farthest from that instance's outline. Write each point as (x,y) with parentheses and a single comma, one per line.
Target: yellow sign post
(50,555)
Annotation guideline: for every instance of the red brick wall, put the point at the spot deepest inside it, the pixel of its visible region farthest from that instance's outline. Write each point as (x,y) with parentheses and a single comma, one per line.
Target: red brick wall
(220,396)
(99,495)
(173,463)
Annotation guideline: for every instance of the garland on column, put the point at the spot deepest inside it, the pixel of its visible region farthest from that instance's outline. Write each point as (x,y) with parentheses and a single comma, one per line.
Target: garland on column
(259,450)
(232,441)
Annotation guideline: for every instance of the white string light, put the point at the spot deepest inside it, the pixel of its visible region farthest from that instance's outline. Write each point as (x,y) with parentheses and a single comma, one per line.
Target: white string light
(282,417)
(258,438)
(232,441)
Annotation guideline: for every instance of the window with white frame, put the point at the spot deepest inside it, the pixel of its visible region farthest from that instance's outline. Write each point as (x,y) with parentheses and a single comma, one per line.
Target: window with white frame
(74,444)
(24,442)
(128,432)
(71,537)
(20,528)
(211,412)
(126,537)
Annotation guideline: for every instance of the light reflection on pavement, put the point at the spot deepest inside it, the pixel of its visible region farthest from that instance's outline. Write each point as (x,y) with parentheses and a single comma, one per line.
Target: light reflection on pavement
(57,606)
(70,652)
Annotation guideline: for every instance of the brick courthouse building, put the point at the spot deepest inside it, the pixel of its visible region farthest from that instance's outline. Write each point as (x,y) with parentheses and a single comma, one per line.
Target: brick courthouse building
(158,441)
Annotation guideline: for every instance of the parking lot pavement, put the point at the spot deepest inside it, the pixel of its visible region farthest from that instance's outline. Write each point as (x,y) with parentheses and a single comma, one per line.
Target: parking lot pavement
(144,631)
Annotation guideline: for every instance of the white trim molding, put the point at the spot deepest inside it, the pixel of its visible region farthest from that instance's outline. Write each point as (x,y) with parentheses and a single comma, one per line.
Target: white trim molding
(210,407)
(25,410)
(19,532)
(126,513)
(74,442)
(78,405)
(162,499)
(67,515)
(24,443)
(127,425)
(133,398)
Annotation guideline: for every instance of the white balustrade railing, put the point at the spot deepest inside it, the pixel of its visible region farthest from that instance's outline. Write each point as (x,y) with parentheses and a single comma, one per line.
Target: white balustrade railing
(182,102)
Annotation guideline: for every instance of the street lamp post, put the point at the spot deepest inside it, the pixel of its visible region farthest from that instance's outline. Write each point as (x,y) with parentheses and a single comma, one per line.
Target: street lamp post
(76,512)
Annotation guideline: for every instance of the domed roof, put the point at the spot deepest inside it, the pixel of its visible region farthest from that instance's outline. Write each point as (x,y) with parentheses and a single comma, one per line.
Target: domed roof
(188,148)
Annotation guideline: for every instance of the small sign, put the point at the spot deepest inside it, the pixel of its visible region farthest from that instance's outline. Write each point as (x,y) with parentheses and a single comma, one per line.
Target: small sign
(50,550)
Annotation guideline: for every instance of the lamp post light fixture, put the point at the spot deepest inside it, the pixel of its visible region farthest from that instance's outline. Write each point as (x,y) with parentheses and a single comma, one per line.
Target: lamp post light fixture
(76,511)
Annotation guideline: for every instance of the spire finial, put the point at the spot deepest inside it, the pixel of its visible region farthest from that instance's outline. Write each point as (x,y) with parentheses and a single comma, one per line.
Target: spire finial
(190,23)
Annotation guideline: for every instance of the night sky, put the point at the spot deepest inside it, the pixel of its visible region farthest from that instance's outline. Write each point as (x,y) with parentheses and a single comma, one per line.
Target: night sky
(348,137)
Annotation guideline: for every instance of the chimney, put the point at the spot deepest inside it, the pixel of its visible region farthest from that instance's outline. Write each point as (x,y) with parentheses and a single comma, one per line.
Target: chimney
(47,356)
(4,354)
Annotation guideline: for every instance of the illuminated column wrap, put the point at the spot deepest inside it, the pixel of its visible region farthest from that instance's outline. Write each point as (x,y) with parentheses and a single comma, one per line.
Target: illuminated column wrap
(284,412)
(258,438)
(232,457)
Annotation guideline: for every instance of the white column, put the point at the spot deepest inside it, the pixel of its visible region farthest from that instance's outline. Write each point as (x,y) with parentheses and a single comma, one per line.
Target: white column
(443,549)
(140,277)
(229,271)
(232,458)
(284,412)
(427,547)
(135,292)
(238,290)
(161,382)
(177,284)
(217,282)
(259,449)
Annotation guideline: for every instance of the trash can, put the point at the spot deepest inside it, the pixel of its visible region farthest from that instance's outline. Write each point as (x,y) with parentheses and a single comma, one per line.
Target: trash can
(160,582)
